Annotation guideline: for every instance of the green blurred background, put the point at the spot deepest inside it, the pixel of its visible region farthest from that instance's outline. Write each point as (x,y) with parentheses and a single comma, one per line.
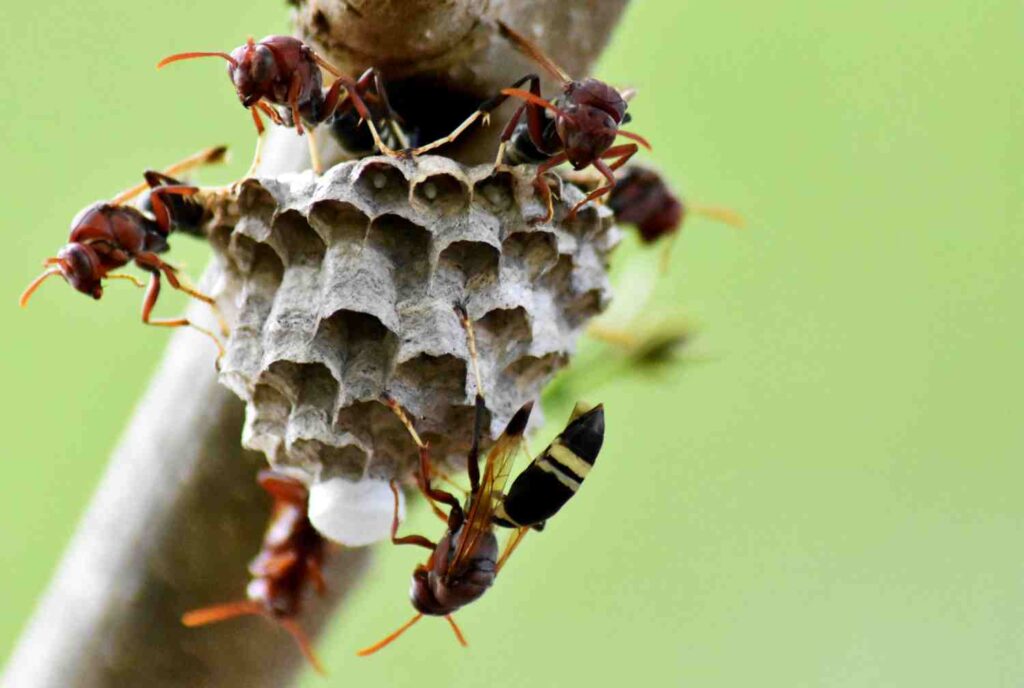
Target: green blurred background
(832,496)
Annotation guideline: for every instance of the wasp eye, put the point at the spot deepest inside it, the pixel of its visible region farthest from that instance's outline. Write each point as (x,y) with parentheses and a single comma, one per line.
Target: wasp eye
(262,64)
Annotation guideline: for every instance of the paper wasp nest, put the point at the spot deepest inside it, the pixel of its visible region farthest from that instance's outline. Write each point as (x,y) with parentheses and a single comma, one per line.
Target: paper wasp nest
(342,289)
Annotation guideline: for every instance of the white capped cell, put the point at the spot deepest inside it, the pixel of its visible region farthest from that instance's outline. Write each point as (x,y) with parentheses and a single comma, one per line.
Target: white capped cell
(354,514)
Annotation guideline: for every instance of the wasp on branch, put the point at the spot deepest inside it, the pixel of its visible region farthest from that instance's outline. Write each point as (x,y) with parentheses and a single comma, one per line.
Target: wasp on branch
(282,71)
(109,234)
(291,559)
(464,563)
(580,126)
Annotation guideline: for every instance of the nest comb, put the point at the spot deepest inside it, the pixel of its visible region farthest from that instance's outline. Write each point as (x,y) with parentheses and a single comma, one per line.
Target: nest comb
(341,289)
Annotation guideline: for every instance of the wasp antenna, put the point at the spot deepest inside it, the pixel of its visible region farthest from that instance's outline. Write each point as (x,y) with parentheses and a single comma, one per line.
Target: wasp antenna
(304,644)
(458,631)
(636,137)
(34,284)
(366,651)
(189,56)
(220,612)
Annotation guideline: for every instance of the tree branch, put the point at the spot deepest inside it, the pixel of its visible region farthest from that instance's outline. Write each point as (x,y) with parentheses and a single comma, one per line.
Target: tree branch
(440,66)
(178,514)
(455,41)
(171,527)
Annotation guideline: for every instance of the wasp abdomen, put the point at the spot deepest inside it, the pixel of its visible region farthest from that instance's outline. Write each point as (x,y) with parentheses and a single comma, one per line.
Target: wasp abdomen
(554,477)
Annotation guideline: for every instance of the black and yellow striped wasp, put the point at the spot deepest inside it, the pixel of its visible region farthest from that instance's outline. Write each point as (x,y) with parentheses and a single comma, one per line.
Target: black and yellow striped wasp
(556,474)
(465,562)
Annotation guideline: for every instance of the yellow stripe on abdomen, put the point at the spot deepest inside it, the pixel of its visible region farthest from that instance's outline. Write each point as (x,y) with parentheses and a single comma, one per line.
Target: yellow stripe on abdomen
(565,456)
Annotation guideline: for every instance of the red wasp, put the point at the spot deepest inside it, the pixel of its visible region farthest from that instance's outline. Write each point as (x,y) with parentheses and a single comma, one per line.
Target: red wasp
(642,198)
(580,126)
(108,235)
(465,562)
(291,557)
(283,71)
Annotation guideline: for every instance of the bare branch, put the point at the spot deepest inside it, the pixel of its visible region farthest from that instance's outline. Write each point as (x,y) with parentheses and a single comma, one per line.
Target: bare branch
(456,42)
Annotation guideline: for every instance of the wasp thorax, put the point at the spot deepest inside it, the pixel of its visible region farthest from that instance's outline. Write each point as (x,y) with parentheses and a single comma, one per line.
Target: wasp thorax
(461,587)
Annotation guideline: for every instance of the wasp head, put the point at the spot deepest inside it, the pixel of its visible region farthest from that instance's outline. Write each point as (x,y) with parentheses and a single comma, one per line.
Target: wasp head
(80,265)
(593,112)
(253,71)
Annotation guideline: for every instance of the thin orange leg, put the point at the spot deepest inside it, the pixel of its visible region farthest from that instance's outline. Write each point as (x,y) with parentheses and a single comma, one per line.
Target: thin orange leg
(153,292)
(367,651)
(458,631)
(623,153)
(220,612)
(542,187)
(304,644)
(425,472)
(407,539)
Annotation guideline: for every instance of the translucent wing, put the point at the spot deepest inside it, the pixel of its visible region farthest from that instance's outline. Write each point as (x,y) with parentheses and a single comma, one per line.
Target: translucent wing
(511,545)
(528,48)
(492,485)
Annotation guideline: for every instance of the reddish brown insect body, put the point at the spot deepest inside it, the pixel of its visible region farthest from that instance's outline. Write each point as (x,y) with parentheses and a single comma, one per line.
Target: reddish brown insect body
(465,561)
(108,235)
(642,198)
(580,126)
(291,558)
(283,71)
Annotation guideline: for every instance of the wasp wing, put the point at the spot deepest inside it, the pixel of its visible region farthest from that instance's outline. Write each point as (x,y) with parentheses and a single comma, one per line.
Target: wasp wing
(531,50)
(492,486)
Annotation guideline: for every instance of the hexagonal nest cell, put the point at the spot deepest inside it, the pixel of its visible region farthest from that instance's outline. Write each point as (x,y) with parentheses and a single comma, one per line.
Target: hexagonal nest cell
(342,290)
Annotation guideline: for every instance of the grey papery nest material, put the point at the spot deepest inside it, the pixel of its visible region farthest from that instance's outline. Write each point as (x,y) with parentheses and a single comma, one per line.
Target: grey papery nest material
(341,289)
